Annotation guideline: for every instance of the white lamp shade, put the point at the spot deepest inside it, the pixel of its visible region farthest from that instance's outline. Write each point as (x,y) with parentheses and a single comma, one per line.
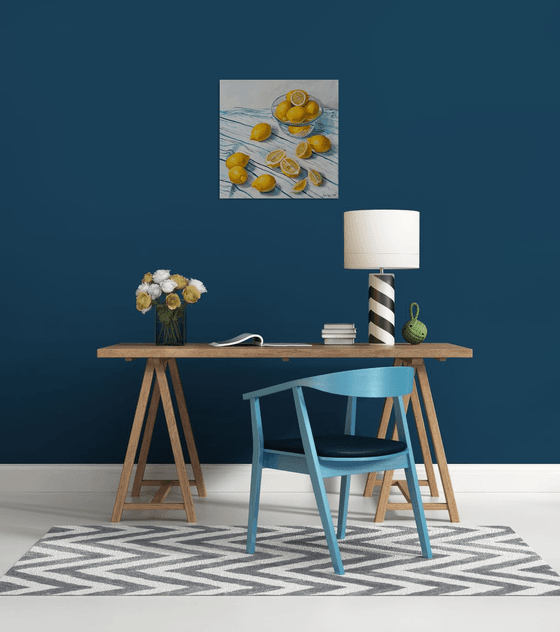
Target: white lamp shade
(382,239)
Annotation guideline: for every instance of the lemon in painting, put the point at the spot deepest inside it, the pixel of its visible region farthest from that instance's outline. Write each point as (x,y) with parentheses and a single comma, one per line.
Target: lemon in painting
(290,167)
(315,177)
(312,109)
(296,114)
(319,143)
(303,150)
(264,183)
(237,175)
(261,131)
(274,158)
(297,97)
(237,160)
(299,131)
(299,187)
(282,109)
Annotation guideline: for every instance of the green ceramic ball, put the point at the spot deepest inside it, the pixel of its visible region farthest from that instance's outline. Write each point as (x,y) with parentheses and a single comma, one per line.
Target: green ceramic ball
(414,331)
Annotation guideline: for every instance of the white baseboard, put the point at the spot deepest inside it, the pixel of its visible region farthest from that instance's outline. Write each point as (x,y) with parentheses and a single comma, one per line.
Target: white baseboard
(224,478)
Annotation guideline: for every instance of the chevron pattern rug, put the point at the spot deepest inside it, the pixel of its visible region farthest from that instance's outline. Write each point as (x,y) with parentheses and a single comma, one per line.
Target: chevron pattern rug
(202,560)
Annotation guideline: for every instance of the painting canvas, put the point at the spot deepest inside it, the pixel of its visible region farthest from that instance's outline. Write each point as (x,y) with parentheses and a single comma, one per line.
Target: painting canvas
(278,139)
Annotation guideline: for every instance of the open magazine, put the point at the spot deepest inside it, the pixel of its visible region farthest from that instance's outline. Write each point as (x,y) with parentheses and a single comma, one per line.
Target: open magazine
(257,340)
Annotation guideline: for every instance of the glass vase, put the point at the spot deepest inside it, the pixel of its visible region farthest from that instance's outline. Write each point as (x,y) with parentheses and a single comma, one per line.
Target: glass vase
(171,325)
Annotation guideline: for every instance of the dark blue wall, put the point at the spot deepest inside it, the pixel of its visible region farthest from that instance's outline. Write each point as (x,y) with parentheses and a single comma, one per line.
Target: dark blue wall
(109,168)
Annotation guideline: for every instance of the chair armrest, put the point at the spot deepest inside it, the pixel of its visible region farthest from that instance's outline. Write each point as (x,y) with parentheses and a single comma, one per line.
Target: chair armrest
(287,386)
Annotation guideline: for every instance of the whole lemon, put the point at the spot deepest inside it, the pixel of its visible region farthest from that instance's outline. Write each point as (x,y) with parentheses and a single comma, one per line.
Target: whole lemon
(261,131)
(264,183)
(281,110)
(319,143)
(299,131)
(237,175)
(312,109)
(297,114)
(237,160)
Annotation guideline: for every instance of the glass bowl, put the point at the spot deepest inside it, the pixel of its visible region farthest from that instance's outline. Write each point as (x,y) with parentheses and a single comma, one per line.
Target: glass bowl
(297,130)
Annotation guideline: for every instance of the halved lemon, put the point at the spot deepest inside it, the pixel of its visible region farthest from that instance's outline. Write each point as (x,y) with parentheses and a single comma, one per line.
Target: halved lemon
(299,131)
(264,183)
(290,167)
(298,97)
(303,150)
(299,187)
(315,177)
(274,158)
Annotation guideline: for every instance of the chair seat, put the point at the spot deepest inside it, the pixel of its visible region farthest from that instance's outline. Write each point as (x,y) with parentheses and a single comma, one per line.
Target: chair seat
(339,445)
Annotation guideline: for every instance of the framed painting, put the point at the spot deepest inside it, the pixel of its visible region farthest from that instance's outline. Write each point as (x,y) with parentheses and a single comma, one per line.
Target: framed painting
(279,139)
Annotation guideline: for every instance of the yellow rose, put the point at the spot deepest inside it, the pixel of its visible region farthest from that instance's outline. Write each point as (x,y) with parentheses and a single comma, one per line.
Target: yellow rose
(173,301)
(147,278)
(180,280)
(191,294)
(143,301)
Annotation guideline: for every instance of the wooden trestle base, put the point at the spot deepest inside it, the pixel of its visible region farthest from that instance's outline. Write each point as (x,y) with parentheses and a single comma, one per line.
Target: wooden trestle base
(383,503)
(161,392)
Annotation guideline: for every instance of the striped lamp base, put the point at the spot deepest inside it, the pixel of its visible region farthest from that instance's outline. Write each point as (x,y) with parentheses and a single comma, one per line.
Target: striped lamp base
(381,327)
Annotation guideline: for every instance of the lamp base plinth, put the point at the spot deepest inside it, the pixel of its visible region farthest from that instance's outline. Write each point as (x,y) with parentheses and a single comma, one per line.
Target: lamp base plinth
(381,325)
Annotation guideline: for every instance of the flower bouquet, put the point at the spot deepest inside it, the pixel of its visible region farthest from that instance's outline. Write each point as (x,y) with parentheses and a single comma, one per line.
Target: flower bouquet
(163,291)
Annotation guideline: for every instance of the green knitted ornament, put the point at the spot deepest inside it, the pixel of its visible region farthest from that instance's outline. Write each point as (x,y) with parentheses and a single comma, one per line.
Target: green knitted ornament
(414,331)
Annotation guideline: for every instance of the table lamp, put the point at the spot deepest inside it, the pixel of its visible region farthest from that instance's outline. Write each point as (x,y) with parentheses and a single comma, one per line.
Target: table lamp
(381,239)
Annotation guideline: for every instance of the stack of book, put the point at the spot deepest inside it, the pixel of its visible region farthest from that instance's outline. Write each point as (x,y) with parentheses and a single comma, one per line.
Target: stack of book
(339,334)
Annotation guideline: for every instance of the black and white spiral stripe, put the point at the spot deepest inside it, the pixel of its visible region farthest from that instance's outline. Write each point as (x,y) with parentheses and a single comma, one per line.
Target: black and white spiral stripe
(381,328)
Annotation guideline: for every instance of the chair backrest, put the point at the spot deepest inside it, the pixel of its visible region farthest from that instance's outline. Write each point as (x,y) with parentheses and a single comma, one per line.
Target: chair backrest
(390,381)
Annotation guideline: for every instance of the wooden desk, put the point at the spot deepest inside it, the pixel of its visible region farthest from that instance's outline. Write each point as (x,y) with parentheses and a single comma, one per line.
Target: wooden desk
(159,359)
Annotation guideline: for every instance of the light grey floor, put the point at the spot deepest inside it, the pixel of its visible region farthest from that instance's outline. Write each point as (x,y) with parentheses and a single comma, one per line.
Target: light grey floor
(24,518)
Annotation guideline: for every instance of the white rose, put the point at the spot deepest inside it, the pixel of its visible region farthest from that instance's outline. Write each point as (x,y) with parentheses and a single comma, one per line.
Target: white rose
(146,310)
(169,285)
(199,285)
(143,287)
(154,290)
(160,276)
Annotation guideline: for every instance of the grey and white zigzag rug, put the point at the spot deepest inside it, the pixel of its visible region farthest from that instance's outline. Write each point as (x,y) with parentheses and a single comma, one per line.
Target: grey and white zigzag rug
(202,560)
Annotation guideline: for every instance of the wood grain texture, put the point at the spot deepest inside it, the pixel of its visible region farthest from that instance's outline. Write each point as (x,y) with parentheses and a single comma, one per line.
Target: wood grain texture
(436,350)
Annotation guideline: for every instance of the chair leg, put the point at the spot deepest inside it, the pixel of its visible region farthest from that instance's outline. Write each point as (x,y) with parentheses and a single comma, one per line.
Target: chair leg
(343,506)
(418,508)
(256,477)
(326,520)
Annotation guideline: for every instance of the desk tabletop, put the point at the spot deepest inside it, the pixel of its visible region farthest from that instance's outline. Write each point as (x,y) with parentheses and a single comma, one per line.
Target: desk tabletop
(438,350)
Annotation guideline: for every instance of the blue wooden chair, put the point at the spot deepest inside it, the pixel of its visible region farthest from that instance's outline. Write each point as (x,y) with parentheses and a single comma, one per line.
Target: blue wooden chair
(342,455)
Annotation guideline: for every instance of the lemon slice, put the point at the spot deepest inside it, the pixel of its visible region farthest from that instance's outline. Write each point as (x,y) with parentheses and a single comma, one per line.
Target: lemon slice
(290,167)
(237,160)
(261,131)
(298,97)
(296,114)
(299,187)
(274,158)
(315,177)
(299,131)
(264,183)
(303,150)
(237,175)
